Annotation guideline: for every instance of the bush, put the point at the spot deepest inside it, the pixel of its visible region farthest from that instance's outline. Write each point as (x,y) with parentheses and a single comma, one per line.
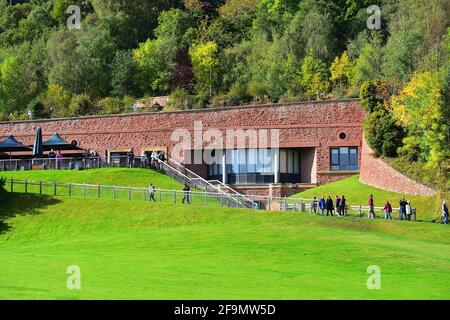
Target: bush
(179,99)
(111,105)
(382,134)
(37,107)
(81,105)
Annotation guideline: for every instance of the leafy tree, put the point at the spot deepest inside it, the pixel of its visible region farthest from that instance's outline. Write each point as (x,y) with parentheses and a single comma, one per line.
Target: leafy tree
(56,101)
(122,80)
(340,70)
(314,76)
(421,108)
(205,64)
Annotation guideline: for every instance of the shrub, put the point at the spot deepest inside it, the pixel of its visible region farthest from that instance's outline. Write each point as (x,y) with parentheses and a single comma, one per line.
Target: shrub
(179,100)
(81,105)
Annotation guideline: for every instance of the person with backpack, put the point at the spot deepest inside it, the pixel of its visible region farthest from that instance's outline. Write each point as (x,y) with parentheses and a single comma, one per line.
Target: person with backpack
(322,205)
(387,211)
(187,192)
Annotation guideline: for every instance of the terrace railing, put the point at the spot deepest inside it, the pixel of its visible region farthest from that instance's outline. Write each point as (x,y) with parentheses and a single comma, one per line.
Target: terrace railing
(211,199)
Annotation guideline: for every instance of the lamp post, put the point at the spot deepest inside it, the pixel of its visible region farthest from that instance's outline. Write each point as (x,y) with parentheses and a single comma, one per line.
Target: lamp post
(30,114)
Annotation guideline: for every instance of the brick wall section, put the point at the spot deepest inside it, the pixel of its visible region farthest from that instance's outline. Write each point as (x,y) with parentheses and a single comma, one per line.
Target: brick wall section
(308,124)
(375,172)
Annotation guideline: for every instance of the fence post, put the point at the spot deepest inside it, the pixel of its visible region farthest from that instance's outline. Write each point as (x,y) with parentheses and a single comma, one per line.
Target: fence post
(221,200)
(12,185)
(114,192)
(159,195)
(26,185)
(54,188)
(360,211)
(70,189)
(206,199)
(40,187)
(98,191)
(84,191)
(175,197)
(129,194)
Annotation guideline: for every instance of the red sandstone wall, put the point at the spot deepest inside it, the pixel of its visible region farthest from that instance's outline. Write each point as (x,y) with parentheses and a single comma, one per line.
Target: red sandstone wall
(309,124)
(375,172)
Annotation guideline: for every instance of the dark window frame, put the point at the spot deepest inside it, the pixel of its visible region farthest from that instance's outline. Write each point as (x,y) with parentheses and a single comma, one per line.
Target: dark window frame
(339,166)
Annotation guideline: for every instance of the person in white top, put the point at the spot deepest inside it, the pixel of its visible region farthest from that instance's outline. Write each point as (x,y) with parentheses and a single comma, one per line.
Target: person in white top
(408,211)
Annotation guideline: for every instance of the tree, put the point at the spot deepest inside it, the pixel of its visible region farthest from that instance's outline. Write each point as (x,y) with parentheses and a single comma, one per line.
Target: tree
(122,80)
(205,64)
(340,70)
(421,108)
(314,73)
(382,132)
(56,101)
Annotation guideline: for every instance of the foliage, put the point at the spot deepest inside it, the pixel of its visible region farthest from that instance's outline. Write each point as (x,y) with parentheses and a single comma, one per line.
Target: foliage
(421,108)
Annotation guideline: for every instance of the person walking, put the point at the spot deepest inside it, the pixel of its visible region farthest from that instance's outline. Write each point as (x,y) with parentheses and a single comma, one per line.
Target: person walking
(402,210)
(186,196)
(371,214)
(329,206)
(387,211)
(343,204)
(322,205)
(130,158)
(151,190)
(338,206)
(52,157)
(314,205)
(58,157)
(408,211)
(444,212)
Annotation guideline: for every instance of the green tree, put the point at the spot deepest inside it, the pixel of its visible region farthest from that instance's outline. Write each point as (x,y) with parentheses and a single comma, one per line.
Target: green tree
(205,64)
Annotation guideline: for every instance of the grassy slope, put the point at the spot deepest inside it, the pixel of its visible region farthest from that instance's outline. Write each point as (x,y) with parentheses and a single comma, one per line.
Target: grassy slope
(358,194)
(108,176)
(130,250)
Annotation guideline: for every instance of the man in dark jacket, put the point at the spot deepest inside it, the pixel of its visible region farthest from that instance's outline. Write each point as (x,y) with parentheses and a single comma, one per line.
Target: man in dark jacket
(322,205)
(402,210)
(187,192)
(343,203)
(330,206)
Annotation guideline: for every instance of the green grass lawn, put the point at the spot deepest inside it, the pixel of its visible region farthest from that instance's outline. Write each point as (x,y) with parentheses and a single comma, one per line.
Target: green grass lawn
(140,178)
(137,250)
(358,193)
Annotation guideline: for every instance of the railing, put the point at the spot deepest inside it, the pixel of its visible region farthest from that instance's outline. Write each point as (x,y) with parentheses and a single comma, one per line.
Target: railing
(184,175)
(211,199)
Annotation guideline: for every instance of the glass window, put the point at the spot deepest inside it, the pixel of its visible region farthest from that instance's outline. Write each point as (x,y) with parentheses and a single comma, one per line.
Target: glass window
(283,161)
(252,160)
(296,162)
(344,158)
(290,164)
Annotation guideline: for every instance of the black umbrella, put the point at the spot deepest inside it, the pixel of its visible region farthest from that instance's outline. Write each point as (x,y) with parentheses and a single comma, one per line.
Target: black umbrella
(57,143)
(38,148)
(10,144)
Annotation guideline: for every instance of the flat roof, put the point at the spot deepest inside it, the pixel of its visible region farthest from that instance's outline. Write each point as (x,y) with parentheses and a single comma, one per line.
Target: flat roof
(184,111)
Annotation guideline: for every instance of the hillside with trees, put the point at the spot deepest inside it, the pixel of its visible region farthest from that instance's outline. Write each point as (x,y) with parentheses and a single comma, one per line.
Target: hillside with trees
(218,53)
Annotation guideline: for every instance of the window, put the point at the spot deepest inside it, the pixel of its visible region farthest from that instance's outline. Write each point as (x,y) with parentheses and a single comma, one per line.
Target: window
(344,158)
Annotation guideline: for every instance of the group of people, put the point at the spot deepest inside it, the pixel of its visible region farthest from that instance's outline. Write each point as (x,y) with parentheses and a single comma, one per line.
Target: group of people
(337,208)
(55,159)
(145,161)
(186,193)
